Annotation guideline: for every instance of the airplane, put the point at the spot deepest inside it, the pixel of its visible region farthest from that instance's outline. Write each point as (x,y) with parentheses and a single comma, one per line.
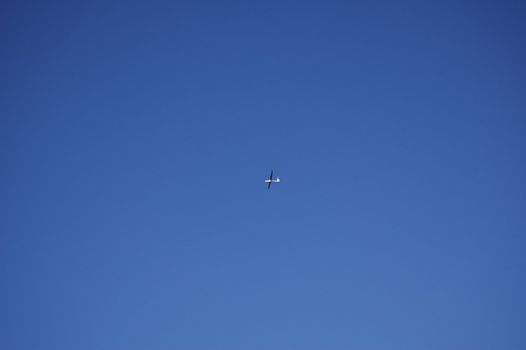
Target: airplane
(270,181)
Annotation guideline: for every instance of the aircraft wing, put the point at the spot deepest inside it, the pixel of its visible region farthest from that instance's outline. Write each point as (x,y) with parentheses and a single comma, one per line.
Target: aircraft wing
(270,179)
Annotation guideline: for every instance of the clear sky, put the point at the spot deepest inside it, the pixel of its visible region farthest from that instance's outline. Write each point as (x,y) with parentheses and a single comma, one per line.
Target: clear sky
(136,137)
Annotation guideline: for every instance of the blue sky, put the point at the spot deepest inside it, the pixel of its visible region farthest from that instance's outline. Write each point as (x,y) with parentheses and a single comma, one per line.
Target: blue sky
(136,137)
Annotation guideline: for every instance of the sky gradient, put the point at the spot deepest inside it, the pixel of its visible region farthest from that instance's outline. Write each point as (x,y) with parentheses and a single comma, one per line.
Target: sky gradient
(136,137)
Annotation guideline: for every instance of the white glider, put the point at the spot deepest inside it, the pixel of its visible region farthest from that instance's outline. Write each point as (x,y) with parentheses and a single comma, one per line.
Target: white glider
(270,180)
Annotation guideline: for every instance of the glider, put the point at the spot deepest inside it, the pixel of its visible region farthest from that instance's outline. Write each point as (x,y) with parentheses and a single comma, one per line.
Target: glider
(270,180)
